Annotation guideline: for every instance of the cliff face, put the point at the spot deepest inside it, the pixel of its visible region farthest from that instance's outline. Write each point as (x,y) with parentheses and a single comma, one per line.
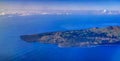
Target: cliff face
(86,37)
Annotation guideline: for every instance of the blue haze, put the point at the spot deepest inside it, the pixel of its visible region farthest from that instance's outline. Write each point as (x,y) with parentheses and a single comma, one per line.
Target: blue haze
(12,48)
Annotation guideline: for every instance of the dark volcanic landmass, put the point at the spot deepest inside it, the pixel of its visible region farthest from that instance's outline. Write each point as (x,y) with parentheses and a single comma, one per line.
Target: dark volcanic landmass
(80,38)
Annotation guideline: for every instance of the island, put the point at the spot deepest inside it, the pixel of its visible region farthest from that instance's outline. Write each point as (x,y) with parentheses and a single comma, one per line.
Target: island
(97,36)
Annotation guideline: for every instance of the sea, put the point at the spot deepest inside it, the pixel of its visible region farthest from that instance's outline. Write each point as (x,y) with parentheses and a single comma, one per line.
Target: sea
(12,48)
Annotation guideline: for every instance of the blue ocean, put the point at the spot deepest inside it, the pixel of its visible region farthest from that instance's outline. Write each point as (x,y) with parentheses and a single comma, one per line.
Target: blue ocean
(12,48)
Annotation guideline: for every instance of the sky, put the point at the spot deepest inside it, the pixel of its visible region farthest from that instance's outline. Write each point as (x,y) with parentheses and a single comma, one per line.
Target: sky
(34,5)
(61,4)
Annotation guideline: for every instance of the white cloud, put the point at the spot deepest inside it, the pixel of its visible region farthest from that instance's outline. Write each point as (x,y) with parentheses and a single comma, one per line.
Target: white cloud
(27,12)
(2,14)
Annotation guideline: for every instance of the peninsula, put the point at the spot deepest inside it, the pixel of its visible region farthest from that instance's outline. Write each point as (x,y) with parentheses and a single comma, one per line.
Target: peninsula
(80,38)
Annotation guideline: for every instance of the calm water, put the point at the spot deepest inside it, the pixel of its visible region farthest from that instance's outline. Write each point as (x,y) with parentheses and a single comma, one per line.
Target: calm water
(12,48)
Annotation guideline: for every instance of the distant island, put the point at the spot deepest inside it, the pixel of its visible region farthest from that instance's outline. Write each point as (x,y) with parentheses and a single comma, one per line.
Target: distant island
(80,38)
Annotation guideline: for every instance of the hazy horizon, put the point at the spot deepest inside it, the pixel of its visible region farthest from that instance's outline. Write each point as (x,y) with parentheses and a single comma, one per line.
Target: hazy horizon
(29,6)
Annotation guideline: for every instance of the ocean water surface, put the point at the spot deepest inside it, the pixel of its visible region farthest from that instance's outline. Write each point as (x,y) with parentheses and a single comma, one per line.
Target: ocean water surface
(12,48)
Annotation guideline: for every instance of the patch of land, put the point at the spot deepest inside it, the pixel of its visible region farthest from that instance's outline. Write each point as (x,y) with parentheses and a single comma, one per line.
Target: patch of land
(80,38)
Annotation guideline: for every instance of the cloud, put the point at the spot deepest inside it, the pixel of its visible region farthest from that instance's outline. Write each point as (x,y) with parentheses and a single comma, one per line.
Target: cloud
(2,14)
(28,12)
